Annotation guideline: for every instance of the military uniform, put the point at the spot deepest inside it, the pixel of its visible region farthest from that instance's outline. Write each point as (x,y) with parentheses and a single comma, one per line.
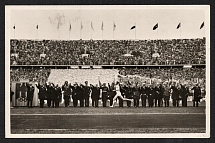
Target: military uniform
(67,92)
(143,92)
(112,93)
(175,96)
(30,95)
(50,95)
(75,95)
(42,94)
(104,95)
(136,93)
(197,95)
(81,95)
(95,95)
(150,93)
(157,96)
(166,95)
(86,95)
(57,96)
(129,95)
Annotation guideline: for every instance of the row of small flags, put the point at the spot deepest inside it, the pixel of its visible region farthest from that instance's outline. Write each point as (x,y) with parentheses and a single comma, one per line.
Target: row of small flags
(114,26)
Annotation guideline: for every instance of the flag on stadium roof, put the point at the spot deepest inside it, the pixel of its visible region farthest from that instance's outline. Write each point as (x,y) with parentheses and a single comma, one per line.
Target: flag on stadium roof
(102,25)
(114,26)
(133,27)
(202,25)
(155,27)
(179,25)
(92,26)
(81,25)
(14,27)
(37,26)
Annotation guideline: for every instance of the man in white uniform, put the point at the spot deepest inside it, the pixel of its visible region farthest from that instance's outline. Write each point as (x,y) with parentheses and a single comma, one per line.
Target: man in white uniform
(118,93)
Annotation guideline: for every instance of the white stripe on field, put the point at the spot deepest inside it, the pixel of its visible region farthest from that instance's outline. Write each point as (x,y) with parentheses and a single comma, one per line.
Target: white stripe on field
(110,114)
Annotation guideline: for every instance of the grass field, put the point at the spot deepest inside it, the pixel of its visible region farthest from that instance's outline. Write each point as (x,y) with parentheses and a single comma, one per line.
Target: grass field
(91,120)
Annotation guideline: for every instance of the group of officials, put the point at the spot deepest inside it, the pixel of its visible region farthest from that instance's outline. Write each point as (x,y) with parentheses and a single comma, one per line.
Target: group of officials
(156,94)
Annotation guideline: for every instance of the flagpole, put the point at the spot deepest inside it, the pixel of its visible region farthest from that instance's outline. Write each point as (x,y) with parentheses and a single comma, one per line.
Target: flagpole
(37,30)
(58,31)
(69,34)
(91,30)
(113,29)
(135,31)
(102,30)
(157,33)
(204,33)
(69,29)
(80,30)
(180,30)
(14,32)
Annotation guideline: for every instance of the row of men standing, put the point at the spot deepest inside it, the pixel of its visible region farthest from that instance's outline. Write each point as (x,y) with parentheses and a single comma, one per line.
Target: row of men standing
(155,94)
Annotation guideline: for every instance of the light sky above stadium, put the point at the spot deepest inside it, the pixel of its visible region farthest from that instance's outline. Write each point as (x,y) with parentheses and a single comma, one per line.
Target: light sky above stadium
(26,18)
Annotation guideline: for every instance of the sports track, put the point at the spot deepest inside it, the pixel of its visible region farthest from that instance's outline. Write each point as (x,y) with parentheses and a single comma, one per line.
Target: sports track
(108,120)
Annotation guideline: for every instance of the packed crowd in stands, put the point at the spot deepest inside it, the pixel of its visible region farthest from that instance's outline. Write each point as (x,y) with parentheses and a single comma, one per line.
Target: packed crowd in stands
(108,52)
(164,74)
(18,74)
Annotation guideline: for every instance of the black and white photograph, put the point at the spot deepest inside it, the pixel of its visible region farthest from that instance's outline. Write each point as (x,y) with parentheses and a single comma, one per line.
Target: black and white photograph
(107,71)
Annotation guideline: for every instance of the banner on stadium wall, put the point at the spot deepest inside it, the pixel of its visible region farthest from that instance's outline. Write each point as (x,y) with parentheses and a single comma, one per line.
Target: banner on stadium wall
(20,94)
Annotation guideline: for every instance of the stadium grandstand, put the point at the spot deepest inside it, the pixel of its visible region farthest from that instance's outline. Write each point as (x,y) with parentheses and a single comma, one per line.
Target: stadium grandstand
(108,52)
(86,66)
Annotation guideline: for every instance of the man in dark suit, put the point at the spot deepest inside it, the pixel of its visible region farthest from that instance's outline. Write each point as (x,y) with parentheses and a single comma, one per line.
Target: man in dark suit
(42,94)
(129,95)
(184,95)
(112,93)
(81,94)
(175,95)
(150,93)
(57,95)
(143,92)
(197,95)
(95,92)
(157,95)
(30,95)
(104,94)
(11,97)
(136,91)
(86,94)
(166,94)
(75,94)
(49,94)
(66,92)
